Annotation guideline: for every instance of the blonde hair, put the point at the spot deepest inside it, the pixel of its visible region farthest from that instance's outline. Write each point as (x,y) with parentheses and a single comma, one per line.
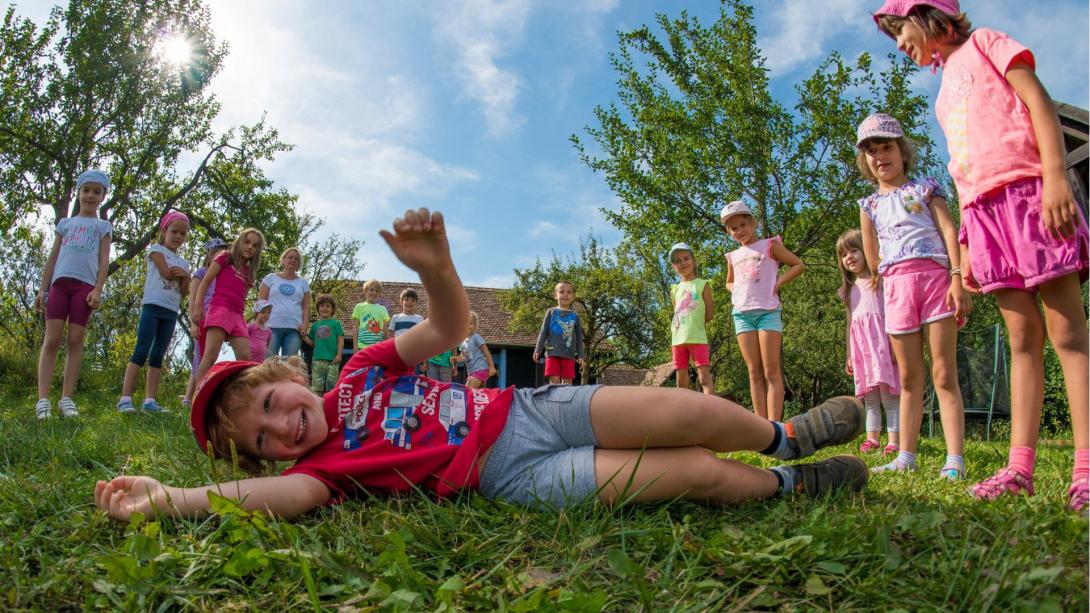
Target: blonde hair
(475,318)
(255,262)
(943,28)
(233,395)
(850,239)
(375,283)
(905,144)
(297,251)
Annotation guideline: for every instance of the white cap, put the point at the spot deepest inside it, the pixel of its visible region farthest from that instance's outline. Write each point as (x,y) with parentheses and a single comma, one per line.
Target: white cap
(678,247)
(734,208)
(261,305)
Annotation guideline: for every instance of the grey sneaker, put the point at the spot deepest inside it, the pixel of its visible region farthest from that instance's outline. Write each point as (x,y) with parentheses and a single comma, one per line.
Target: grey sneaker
(44,408)
(836,473)
(68,407)
(151,406)
(834,422)
(125,406)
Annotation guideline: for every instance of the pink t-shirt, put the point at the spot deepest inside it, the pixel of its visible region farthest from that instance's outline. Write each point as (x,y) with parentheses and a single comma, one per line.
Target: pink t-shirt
(755,276)
(259,341)
(988,129)
(231,285)
(390,429)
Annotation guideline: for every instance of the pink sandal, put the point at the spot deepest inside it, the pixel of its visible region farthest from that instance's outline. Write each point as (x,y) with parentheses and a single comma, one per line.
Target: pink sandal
(891,449)
(1005,482)
(868,446)
(1078,495)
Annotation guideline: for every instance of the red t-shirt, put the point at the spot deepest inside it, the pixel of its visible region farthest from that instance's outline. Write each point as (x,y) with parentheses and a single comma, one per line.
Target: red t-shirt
(390,429)
(232,284)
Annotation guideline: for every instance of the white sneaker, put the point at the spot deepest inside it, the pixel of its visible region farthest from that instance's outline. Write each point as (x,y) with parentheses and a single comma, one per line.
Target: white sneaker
(44,408)
(68,407)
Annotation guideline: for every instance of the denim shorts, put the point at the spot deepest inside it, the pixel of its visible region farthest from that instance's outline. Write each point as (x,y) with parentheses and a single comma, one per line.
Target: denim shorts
(545,454)
(757,321)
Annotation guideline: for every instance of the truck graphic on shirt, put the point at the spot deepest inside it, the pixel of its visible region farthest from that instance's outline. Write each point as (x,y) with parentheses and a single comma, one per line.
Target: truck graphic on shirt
(452,414)
(399,420)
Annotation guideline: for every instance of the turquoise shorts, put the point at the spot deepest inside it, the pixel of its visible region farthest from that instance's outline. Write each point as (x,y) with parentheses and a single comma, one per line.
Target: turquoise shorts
(757,321)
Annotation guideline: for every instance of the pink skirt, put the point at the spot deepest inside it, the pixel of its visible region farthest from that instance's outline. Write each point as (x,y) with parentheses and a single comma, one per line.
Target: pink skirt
(872,357)
(1009,246)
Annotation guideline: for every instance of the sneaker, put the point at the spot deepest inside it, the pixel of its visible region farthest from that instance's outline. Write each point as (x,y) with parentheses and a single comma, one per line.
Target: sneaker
(1078,495)
(151,406)
(951,473)
(833,422)
(44,409)
(125,406)
(1005,482)
(836,473)
(68,407)
(891,449)
(869,446)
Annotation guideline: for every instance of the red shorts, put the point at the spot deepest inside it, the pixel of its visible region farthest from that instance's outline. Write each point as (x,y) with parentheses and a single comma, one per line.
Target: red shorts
(232,323)
(67,299)
(699,353)
(560,367)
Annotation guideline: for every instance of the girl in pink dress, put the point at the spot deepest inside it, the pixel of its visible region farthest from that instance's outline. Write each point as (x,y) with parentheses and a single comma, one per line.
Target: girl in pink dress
(1022,233)
(869,357)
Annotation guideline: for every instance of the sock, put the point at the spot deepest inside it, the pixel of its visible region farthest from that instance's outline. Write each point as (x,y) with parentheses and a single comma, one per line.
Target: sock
(126,399)
(954,461)
(778,447)
(905,460)
(1022,459)
(147,400)
(1082,465)
(787,477)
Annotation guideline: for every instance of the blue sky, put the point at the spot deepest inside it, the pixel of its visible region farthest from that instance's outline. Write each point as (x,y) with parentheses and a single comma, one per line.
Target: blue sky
(467,107)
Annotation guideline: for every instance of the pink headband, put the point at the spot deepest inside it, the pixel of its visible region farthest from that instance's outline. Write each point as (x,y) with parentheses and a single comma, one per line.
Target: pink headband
(171,217)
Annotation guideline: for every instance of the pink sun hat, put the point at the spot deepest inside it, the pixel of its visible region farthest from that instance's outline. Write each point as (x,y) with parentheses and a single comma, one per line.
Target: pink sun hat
(900,8)
(878,125)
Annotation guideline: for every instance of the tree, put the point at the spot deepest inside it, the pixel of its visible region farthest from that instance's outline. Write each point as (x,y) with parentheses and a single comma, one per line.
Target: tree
(696,126)
(617,310)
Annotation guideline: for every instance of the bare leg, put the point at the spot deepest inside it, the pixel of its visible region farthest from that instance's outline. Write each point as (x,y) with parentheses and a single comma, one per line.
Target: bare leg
(771,350)
(908,349)
(47,361)
(74,359)
(151,385)
(1067,330)
(213,342)
(643,417)
(554,379)
(942,339)
(128,385)
(758,389)
(704,373)
(241,346)
(681,375)
(686,472)
(474,382)
(1026,333)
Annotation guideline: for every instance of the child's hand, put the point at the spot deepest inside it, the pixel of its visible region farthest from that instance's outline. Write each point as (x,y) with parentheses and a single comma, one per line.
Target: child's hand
(419,240)
(491,371)
(337,359)
(94,299)
(958,298)
(178,272)
(39,302)
(197,315)
(537,358)
(582,362)
(122,496)
(1058,208)
(848,368)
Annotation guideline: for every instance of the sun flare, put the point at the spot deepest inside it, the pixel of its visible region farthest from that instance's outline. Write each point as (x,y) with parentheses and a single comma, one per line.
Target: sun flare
(174,49)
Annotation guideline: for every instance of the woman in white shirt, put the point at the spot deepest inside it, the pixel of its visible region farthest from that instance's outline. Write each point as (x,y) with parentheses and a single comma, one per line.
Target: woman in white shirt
(289,295)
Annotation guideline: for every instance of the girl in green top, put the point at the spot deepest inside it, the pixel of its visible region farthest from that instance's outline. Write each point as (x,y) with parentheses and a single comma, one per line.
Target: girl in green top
(692,300)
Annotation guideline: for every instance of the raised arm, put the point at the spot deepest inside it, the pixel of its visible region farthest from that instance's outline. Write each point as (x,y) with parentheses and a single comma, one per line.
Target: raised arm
(419,240)
(284,496)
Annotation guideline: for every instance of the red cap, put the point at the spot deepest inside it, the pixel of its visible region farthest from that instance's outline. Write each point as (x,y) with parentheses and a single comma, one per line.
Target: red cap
(198,412)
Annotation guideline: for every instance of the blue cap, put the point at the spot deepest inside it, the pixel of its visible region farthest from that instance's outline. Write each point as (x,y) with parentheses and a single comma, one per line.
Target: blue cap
(215,243)
(93,176)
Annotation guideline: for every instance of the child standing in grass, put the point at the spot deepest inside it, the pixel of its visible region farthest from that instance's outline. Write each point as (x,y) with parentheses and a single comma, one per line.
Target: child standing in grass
(257,330)
(387,430)
(72,282)
(327,337)
(870,358)
(476,356)
(166,281)
(212,248)
(693,309)
(910,239)
(752,280)
(370,318)
(234,274)
(1022,232)
(561,337)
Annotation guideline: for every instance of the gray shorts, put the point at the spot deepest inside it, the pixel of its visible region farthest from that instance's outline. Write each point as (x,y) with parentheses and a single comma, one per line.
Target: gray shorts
(545,454)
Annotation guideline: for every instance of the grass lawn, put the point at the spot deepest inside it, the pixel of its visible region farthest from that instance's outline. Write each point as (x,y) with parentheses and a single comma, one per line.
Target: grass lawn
(909,542)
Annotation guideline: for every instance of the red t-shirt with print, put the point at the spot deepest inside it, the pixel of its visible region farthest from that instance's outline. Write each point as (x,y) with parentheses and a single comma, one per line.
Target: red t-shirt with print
(390,429)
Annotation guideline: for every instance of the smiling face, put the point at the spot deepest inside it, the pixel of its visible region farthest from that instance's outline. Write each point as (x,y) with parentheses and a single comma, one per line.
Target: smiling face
(684,264)
(175,235)
(408,305)
(885,162)
(325,310)
(370,294)
(290,261)
(565,294)
(853,261)
(742,228)
(90,197)
(250,244)
(282,421)
(913,42)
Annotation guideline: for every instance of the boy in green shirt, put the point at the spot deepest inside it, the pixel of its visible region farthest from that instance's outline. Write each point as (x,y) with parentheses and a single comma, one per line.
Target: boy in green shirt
(370,317)
(327,337)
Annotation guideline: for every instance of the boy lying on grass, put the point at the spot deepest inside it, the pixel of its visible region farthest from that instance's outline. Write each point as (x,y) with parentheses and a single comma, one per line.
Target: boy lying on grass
(385,429)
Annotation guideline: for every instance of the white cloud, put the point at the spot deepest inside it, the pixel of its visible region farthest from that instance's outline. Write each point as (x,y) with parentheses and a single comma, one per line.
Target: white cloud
(502,281)
(481,33)
(802,29)
(542,228)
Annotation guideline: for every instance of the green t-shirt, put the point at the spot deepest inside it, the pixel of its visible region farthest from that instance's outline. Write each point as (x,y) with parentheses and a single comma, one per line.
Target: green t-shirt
(372,320)
(688,324)
(324,333)
(443,359)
